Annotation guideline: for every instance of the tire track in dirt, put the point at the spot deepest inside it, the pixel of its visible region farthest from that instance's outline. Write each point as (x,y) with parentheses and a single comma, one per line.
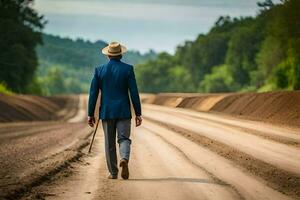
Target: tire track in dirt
(36,151)
(26,161)
(278,179)
(281,134)
(158,171)
(282,156)
(249,186)
(28,130)
(169,162)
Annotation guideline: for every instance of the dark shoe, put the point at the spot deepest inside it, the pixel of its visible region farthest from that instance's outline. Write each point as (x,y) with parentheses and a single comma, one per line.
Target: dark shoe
(112,176)
(125,170)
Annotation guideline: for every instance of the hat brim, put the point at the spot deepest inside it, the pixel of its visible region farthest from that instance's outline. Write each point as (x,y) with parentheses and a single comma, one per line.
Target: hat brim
(106,52)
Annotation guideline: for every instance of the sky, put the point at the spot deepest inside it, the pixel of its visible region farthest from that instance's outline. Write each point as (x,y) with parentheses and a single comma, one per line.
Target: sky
(140,25)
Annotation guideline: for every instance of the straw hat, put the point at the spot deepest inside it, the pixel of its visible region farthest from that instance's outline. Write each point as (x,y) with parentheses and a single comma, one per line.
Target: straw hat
(114,49)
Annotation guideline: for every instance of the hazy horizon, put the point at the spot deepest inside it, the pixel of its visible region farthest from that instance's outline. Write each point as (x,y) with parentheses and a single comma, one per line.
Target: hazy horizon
(139,24)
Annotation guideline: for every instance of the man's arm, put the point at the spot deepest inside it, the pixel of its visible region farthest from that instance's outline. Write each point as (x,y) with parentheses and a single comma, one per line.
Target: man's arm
(135,98)
(94,91)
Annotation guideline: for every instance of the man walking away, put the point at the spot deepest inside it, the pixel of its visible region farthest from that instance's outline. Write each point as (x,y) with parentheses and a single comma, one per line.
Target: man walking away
(115,80)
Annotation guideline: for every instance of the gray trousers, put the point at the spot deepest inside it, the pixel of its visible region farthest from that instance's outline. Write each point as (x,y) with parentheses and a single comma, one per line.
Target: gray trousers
(110,128)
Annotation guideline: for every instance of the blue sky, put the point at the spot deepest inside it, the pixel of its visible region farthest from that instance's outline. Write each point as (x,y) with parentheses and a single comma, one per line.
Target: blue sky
(139,24)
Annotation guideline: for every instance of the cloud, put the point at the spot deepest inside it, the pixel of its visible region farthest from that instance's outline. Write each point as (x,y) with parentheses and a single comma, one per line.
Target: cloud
(141,24)
(139,11)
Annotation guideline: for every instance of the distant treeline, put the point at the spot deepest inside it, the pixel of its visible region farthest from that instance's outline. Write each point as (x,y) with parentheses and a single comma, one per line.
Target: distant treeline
(66,65)
(36,63)
(245,54)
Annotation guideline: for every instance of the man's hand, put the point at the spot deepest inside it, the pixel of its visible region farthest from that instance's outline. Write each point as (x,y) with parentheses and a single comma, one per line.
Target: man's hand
(138,120)
(91,121)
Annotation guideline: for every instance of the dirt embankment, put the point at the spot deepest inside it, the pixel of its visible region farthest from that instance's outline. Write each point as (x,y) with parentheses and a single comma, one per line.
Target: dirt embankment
(36,108)
(44,135)
(275,107)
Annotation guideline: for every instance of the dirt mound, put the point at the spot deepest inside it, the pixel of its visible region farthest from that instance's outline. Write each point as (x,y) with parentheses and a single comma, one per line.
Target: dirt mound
(275,107)
(36,108)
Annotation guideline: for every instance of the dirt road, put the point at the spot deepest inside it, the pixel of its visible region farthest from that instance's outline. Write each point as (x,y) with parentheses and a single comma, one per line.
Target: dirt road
(30,152)
(176,154)
(180,154)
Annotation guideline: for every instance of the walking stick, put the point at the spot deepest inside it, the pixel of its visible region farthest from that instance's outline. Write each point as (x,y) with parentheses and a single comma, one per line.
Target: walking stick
(95,131)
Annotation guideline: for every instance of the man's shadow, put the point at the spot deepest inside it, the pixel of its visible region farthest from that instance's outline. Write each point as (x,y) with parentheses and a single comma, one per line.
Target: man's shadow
(175,179)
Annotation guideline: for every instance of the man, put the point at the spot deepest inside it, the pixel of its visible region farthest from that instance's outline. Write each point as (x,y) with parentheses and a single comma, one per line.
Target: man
(115,79)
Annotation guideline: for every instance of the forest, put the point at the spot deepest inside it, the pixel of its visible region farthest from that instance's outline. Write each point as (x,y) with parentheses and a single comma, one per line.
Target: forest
(260,53)
(32,62)
(66,65)
(245,54)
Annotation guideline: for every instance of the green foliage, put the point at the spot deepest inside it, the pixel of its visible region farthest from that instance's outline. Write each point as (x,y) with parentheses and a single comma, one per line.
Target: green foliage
(64,51)
(245,54)
(243,47)
(35,87)
(180,80)
(74,61)
(219,80)
(20,28)
(152,75)
(162,75)
(287,74)
(80,53)
(285,29)
(269,56)
(240,54)
(199,56)
(73,86)
(4,89)
(53,82)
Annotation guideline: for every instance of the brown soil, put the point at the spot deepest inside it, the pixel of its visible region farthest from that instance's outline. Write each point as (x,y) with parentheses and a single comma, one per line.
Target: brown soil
(33,151)
(275,107)
(36,108)
(287,183)
(186,157)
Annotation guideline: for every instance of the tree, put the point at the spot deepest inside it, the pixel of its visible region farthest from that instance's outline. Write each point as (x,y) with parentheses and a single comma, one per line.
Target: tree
(219,80)
(285,29)
(269,56)
(240,54)
(163,75)
(152,76)
(243,47)
(53,83)
(20,28)
(267,4)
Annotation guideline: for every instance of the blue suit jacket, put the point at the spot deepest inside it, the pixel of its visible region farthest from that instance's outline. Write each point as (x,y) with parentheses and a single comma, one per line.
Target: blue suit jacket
(115,80)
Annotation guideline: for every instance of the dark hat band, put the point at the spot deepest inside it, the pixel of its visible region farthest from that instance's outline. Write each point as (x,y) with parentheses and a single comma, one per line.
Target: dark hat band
(115,51)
